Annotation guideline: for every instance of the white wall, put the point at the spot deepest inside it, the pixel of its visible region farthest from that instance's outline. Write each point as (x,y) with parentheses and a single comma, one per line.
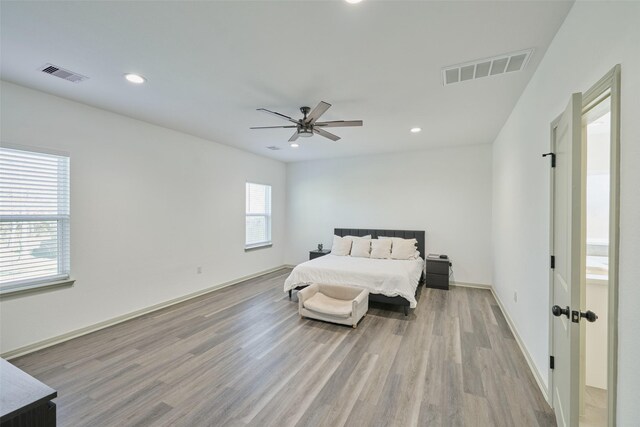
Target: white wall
(446,192)
(148,206)
(594,37)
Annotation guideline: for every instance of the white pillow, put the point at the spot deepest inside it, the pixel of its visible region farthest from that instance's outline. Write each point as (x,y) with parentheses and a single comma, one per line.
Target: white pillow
(381,248)
(341,246)
(367,237)
(402,248)
(396,239)
(361,248)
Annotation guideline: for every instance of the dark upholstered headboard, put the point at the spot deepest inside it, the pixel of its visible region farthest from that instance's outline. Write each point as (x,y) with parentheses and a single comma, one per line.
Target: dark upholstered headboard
(405,234)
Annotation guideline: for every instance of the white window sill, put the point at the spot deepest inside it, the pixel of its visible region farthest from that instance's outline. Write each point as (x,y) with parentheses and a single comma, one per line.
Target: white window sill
(37,287)
(258,246)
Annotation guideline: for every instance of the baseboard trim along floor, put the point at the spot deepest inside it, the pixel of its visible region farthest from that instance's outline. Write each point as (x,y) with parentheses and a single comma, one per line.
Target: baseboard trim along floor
(523,348)
(30,348)
(525,352)
(471,285)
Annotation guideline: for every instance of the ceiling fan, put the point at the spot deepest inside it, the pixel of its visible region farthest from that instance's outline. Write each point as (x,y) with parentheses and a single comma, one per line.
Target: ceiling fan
(309,124)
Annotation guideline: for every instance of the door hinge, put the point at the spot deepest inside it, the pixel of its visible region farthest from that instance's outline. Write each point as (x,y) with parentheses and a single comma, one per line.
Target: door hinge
(553,158)
(553,261)
(552,362)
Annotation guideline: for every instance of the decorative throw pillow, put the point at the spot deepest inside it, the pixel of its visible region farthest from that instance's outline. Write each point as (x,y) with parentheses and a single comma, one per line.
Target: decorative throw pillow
(361,248)
(341,246)
(367,237)
(403,249)
(381,248)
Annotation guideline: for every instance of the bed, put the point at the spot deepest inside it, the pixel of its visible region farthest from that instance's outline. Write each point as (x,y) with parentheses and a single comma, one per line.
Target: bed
(388,281)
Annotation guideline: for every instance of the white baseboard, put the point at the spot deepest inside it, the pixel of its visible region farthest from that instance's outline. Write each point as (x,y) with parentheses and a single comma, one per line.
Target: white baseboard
(523,348)
(12,354)
(471,285)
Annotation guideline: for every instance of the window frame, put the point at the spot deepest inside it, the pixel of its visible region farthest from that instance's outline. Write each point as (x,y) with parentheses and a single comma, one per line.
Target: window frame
(63,234)
(268,219)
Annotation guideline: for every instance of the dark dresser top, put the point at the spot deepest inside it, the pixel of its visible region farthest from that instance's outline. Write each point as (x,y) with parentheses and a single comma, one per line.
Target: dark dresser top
(19,391)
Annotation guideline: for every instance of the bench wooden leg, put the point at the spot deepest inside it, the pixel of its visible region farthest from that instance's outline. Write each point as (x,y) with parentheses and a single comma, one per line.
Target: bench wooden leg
(406,310)
(289,293)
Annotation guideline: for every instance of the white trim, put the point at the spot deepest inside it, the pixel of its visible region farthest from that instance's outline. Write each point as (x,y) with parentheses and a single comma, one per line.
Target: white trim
(23,147)
(536,374)
(34,286)
(258,246)
(471,285)
(30,348)
(609,86)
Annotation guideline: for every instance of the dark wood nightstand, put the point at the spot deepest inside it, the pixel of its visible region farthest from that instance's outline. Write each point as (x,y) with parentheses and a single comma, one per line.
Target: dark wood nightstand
(437,275)
(317,254)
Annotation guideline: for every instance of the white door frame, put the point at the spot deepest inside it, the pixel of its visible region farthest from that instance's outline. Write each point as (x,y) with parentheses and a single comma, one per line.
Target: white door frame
(608,85)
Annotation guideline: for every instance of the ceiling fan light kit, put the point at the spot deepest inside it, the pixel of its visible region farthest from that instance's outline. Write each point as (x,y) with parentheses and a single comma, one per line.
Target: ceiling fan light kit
(309,125)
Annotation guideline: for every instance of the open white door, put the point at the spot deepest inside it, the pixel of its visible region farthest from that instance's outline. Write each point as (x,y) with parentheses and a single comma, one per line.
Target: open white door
(567,224)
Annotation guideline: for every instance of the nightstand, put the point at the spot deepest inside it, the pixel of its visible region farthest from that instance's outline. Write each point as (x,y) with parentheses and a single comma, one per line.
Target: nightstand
(317,254)
(437,273)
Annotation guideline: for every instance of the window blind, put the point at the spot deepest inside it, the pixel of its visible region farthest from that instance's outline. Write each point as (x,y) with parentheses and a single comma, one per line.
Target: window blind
(34,218)
(258,215)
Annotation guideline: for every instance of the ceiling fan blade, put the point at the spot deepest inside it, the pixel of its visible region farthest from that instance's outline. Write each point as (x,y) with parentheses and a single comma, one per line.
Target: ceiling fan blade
(326,134)
(317,112)
(339,123)
(273,127)
(294,136)
(282,116)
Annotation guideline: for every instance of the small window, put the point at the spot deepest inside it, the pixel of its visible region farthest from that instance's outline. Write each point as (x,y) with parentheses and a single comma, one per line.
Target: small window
(258,216)
(34,219)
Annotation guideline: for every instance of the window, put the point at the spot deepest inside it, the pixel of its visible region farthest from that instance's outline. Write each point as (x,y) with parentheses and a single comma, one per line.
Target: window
(34,219)
(258,216)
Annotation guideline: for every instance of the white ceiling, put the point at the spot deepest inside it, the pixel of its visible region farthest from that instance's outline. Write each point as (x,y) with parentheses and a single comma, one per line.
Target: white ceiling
(209,65)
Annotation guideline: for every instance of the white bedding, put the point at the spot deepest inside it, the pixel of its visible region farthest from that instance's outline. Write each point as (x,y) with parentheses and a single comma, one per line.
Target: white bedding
(390,277)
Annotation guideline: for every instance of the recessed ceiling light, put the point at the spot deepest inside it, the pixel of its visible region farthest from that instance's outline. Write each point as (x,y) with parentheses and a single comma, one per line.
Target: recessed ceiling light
(415,130)
(294,145)
(135,78)
(353,1)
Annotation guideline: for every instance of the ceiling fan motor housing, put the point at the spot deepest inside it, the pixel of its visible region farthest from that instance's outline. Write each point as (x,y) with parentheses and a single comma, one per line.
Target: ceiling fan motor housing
(305,132)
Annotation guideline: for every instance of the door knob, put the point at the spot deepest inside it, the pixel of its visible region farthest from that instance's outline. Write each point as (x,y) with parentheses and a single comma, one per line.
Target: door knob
(589,315)
(559,311)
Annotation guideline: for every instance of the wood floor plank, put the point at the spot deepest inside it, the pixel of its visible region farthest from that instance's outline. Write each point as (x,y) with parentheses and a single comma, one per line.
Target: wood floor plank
(241,356)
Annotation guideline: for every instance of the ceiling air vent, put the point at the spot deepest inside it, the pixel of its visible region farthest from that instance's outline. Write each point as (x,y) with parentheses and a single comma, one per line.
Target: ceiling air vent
(273,147)
(500,64)
(62,73)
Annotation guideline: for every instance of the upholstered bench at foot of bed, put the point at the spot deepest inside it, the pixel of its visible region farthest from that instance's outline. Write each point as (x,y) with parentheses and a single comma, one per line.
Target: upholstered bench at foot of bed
(333,303)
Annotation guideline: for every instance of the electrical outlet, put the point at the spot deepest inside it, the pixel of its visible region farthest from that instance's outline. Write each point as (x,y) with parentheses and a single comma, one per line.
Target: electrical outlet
(515,296)
(199,270)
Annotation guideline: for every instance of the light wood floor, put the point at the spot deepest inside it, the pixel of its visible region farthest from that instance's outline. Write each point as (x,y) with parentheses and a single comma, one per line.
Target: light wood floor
(242,356)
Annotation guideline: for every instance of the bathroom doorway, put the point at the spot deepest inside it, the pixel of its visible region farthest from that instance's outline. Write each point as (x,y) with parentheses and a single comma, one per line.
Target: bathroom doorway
(596,132)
